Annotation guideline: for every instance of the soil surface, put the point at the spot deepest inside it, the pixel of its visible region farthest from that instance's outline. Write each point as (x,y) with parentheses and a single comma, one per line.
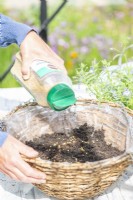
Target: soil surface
(82,145)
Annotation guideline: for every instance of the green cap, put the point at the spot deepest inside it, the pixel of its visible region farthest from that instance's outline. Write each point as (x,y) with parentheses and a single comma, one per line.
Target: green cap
(60,97)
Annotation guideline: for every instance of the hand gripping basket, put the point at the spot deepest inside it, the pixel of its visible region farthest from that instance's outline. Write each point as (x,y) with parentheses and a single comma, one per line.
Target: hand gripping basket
(75,181)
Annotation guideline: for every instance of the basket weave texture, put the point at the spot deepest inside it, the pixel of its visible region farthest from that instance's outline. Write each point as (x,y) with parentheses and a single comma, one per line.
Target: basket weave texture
(75,181)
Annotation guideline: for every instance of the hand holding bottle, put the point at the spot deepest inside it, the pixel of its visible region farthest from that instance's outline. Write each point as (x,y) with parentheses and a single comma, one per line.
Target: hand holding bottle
(34,48)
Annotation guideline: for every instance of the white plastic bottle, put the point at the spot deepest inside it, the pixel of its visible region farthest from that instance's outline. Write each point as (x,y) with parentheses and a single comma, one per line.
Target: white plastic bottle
(57,85)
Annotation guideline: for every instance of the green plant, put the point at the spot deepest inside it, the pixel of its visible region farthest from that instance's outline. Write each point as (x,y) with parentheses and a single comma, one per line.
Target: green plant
(110,83)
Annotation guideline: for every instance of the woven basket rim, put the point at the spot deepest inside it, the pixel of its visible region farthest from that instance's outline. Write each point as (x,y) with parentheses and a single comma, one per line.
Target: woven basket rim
(113,104)
(80,101)
(90,165)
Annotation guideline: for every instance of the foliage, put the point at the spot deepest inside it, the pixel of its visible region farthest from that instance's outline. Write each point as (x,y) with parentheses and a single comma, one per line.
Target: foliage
(110,83)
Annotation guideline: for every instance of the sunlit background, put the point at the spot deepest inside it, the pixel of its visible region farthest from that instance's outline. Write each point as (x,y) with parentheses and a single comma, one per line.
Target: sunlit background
(81,32)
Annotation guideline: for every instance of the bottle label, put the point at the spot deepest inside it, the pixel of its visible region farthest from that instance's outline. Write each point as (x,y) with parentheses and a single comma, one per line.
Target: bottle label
(42,68)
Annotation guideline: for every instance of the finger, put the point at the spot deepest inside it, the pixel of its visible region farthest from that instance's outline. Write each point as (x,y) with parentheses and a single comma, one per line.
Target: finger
(19,147)
(17,169)
(28,171)
(17,175)
(25,69)
(9,174)
(27,151)
(25,178)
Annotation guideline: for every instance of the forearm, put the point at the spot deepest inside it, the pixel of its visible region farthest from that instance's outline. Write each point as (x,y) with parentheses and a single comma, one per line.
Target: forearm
(12,31)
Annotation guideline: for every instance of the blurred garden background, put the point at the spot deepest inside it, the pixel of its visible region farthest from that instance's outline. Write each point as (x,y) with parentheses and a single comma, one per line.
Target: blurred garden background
(84,32)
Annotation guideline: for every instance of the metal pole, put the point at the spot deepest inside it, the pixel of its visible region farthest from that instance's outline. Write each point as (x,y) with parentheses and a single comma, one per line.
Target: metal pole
(48,20)
(43,17)
(3,76)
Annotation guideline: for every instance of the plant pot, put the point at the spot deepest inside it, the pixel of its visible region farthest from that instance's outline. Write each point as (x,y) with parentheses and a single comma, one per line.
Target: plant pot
(75,181)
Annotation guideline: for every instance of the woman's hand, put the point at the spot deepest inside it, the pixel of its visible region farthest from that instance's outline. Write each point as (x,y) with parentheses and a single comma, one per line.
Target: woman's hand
(33,48)
(13,165)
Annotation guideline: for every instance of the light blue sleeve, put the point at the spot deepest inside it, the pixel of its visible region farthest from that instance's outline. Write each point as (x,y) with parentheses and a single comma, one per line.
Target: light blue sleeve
(3,136)
(12,31)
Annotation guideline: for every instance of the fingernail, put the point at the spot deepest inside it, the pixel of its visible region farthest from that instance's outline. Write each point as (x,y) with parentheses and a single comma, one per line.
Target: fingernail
(25,77)
(35,152)
(43,177)
(42,181)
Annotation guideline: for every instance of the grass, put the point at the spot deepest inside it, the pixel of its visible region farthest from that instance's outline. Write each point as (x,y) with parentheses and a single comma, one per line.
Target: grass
(6,58)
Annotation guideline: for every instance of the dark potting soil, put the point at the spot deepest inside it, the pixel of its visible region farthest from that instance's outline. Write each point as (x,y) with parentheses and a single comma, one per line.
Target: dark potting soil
(82,145)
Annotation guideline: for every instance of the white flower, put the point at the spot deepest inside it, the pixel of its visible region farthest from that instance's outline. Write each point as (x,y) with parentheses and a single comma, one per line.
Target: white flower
(127,93)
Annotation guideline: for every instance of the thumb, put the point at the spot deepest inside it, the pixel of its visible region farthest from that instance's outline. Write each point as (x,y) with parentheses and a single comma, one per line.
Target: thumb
(27,151)
(25,69)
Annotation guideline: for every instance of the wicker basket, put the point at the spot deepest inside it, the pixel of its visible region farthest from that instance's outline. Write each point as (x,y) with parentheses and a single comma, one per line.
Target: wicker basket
(75,181)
